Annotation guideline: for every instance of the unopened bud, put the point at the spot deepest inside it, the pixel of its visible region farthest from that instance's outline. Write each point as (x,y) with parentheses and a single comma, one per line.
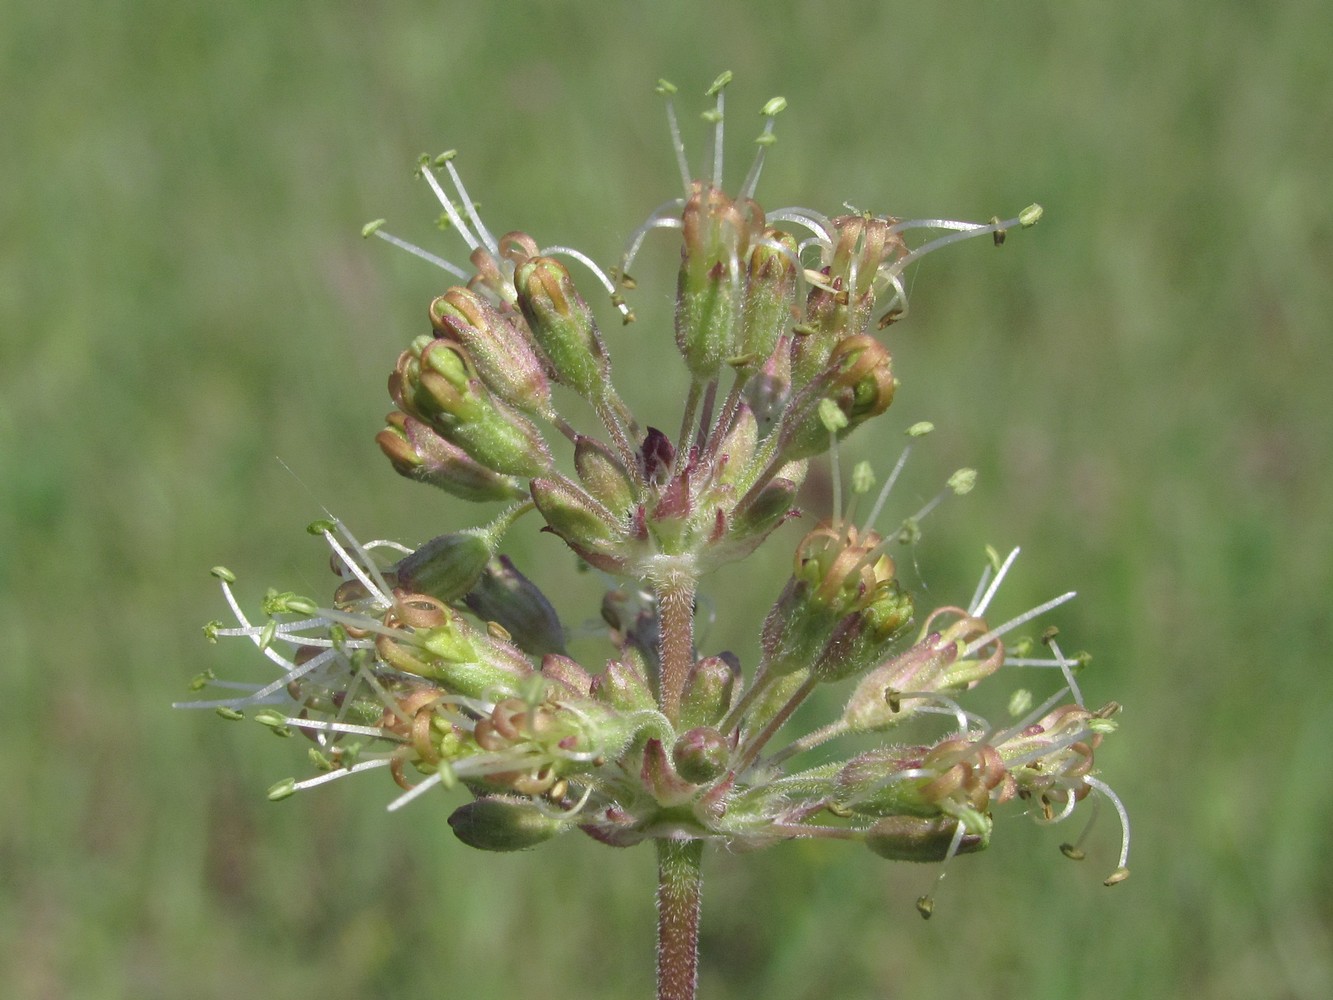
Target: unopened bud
(447,566)
(623,686)
(499,347)
(502,594)
(586,526)
(563,326)
(701,755)
(708,690)
(711,283)
(916,838)
(418,452)
(500,823)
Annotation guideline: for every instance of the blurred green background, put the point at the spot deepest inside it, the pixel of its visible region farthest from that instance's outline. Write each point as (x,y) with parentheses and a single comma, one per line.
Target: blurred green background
(184,295)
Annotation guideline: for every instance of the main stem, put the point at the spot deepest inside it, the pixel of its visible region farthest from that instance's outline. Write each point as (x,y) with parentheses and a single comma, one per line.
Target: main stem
(678,882)
(675,611)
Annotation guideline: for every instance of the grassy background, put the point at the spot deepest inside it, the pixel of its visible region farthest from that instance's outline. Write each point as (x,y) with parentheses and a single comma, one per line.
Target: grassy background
(183,296)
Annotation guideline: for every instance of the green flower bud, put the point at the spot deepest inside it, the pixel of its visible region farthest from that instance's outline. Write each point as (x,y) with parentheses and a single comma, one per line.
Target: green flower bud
(499,347)
(858,380)
(504,595)
(711,283)
(564,328)
(503,823)
(918,838)
(603,475)
(770,294)
(460,657)
(418,453)
(586,526)
(624,687)
(439,386)
(708,690)
(447,566)
(701,755)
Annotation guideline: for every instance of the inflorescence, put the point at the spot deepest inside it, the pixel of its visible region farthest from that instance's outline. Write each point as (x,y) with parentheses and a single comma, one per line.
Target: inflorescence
(446,666)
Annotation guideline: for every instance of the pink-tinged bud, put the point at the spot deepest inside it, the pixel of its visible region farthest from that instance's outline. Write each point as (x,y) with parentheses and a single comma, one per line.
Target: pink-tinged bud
(563,327)
(709,686)
(876,702)
(711,285)
(737,449)
(418,453)
(498,345)
(623,686)
(503,595)
(917,838)
(769,297)
(587,527)
(858,381)
(434,381)
(839,575)
(503,823)
(751,524)
(862,638)
(602,474)
(701,755)
(567,674)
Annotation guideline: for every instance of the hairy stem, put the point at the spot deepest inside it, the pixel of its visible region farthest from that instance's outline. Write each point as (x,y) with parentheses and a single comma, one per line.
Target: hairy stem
(678,883)
(675,609)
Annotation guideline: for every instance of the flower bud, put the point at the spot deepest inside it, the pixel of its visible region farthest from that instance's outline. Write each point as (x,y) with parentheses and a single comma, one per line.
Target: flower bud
(502,594)
(418,453)
(769,296)
(701,755)
(447,566)
(562,671)
(436,383)
(710,286)
(499,347)
(462,658)
(563,326)
(587,527)
(862,638)
(708,690)
(602,474)
(917,838)
(623,686)
(503,823)
(858,381)
(837,575)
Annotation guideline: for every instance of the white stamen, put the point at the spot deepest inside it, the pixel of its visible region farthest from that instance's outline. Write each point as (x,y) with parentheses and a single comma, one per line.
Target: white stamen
(342,772)
(887,488)
(455,219)
(1105,789)
(586,261)
(678,146)
(1065,664)
(428,257)
(1014,623)
(979,609)
(416,791)
(317,725)
(482,231)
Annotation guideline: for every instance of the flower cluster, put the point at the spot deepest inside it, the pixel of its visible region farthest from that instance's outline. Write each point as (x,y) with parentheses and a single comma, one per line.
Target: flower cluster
(448,667)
